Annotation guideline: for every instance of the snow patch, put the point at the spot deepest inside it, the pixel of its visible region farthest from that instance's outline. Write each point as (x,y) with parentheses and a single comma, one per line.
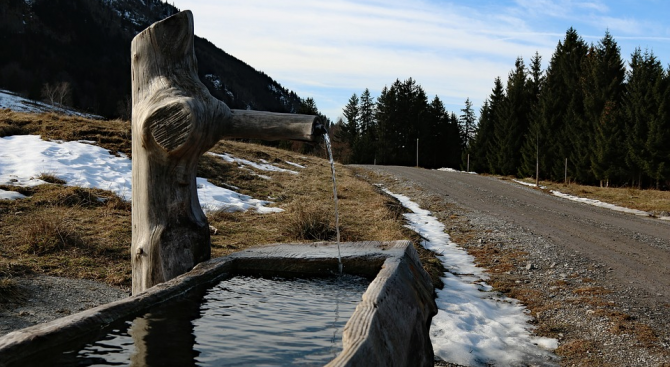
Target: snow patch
(474,326)
(263,166)
(19,104)
(295,164)
(601,204)
(447,169)
(10,195)
(24,157)
(529,184)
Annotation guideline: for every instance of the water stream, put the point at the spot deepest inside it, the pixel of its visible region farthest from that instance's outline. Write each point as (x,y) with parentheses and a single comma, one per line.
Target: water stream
(326,138)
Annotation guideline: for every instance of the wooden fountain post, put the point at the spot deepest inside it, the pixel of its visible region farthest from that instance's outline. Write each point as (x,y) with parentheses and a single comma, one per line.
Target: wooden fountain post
(174,121)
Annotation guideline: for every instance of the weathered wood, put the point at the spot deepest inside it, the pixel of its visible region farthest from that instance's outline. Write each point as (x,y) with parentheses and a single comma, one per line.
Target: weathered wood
(175,120)
(390,326)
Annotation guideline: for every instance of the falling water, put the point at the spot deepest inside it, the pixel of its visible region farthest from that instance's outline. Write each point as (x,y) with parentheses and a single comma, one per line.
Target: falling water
(337,214)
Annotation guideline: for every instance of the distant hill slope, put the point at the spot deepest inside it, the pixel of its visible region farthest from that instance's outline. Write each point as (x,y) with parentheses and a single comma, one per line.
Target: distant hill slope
(87,44)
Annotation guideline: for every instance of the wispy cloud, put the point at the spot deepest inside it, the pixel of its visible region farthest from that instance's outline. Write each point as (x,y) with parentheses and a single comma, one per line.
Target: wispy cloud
(331,49)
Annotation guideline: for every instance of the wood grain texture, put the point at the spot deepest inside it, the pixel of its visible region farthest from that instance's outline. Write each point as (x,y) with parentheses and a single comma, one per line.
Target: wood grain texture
(175,120)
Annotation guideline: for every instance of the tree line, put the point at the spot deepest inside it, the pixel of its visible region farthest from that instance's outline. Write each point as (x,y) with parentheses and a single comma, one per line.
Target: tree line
(402,127)
(587,118)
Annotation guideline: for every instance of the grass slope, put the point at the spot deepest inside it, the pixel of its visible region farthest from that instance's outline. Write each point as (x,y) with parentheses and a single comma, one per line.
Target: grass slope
(68,231)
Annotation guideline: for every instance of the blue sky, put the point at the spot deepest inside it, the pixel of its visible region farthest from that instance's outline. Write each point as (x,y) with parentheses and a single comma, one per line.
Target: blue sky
(330,49)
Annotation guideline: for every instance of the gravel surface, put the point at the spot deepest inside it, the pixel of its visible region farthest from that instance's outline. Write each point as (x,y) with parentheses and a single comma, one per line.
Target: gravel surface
(46,298)
(597,280)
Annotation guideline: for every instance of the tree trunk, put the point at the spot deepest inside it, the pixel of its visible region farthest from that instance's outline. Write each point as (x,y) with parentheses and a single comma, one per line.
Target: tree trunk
(174,121)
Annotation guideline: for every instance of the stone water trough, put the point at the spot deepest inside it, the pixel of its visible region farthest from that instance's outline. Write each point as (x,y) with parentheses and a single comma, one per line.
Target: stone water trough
(388,328)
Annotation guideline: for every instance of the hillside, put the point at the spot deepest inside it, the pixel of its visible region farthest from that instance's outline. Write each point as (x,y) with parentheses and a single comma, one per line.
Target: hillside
(75,218)
(86,43)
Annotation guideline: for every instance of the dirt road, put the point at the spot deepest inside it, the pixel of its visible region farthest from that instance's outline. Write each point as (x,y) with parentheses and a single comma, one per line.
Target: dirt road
(636,248)
(629,254)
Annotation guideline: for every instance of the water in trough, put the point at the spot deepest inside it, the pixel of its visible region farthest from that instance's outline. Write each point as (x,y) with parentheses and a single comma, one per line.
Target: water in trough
(241,321)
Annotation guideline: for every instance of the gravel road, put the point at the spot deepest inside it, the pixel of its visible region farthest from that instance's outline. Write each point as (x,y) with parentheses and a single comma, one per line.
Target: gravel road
(596,279)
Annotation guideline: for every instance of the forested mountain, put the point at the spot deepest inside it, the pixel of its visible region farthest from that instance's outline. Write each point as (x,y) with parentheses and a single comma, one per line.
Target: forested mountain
(85,45)
(588,117)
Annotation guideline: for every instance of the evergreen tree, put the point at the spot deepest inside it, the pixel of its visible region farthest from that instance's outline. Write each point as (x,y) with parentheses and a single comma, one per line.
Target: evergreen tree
(440,141)
(513,123)
(483,148)
(561,105)
(349,130)
(367,112)
(604,75)
(658,141)
(365,147)
(350,125)
(530,149)
(643,98)
(468,123)
(385,118)
(400,119)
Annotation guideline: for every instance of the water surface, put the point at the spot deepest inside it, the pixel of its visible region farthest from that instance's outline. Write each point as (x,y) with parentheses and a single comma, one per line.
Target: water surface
(242,321)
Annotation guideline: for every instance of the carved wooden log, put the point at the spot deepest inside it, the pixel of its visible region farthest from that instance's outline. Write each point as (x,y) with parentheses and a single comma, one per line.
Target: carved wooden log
(175,120)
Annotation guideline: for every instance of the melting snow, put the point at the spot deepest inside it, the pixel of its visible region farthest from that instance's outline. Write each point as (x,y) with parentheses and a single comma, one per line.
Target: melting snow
(528,184)
(263,166)
(16,103)
(25,157)
(594,202)
(10,195)
(474,326)
(447,169)
(599,203)
(294,164)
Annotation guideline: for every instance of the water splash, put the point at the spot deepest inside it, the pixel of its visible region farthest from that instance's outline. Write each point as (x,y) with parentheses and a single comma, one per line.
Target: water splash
(326,138)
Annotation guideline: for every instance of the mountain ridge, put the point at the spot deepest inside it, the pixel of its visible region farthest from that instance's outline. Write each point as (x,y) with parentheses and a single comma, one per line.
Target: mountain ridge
(86,43)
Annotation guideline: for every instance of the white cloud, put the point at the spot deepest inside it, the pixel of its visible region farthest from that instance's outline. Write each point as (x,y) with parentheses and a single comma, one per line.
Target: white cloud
(455,50)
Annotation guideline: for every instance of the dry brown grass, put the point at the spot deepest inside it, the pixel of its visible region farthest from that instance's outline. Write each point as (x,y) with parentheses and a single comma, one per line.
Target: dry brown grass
(66,231)
(580,352)
(84,233)
(653,201)
(307,200)
(112,134)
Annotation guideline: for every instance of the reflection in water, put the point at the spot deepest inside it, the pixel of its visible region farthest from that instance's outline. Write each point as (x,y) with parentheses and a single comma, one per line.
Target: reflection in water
(241,321)
(165,337)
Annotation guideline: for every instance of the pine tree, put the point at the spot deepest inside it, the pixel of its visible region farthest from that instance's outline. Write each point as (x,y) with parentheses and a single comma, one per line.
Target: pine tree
(530,149)
(385,119)
(468,123)
(658,141)
(440,141)
(366,146)
(604,75)
(349,132)
(643,97)
(400,119)
(561,105)
(513,123)
(479,145)
(367,112)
